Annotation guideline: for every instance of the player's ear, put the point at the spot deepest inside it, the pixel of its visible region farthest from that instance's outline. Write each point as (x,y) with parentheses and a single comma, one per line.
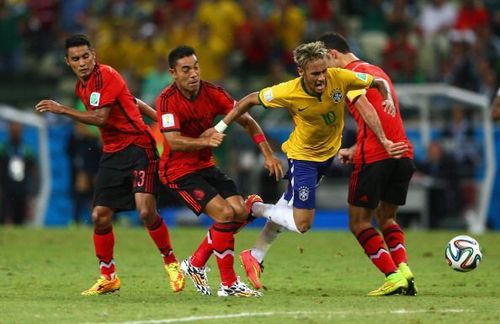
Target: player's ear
(300,71)
(66,60)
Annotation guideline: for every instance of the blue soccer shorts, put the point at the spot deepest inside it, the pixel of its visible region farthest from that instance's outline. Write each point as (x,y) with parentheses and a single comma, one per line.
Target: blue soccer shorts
(303,178)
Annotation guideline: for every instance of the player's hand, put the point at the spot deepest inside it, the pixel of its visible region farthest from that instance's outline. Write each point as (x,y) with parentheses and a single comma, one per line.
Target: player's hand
(273,164)
(395,150)
(346,155)
(389,107)
(208,132)
(49,105)
(214,140)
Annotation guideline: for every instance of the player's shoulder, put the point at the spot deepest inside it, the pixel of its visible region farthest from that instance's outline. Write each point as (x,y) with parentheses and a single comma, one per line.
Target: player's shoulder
(212,89)
(168,92)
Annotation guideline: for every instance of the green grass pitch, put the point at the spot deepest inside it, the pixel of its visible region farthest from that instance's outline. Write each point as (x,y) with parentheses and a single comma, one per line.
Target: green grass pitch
(319,277)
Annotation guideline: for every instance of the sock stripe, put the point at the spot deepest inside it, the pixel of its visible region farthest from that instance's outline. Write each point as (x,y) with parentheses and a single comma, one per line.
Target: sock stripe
(157,223)
(378,254)
(365,235)
(103,231)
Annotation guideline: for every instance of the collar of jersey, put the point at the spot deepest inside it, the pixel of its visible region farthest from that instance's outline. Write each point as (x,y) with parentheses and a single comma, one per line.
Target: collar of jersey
(305,90)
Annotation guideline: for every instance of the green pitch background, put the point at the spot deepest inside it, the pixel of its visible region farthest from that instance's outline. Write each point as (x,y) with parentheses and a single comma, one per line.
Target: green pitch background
(319,277)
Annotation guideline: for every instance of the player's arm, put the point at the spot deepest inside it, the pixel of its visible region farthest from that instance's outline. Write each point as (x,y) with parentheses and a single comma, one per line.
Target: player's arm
(383,87)
(146,110)
(239,109)
(369,115)
(346,155)
(271,163)
(97,117)
(495,107)
(178,142)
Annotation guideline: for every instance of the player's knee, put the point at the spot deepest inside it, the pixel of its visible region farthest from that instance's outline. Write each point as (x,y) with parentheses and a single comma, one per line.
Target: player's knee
(240,213)
(303,226)
(225,215)
(101,219)
(147,216)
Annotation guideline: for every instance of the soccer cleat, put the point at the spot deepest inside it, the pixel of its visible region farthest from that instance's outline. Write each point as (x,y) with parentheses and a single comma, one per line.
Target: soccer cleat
(252,199)
(406,272)
(175,275)
(198,275)
(238,289)
(395,283)
(103,286)
(252,267)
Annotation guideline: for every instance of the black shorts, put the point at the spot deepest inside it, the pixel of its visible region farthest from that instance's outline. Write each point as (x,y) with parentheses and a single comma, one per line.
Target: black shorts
(385,180)
(198,188)
(121,174)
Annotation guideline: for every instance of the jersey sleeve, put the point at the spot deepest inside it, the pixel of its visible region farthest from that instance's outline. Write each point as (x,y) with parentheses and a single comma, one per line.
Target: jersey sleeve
(106,92)
(353,94)
(168,119)
(275,96)
(352,80)
(225,102)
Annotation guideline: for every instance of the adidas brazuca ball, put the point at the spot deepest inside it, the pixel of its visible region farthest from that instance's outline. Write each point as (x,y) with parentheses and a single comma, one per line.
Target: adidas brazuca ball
(463,253)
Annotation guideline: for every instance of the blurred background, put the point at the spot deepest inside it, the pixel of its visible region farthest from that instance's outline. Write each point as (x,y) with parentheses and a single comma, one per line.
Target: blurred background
(443,55)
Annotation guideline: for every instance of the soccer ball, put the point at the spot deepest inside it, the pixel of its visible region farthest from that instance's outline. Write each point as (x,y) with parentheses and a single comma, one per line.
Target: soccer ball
(463,253)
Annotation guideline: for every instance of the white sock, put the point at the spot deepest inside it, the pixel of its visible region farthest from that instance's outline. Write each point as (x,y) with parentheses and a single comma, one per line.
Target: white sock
(266,238)
(281,215)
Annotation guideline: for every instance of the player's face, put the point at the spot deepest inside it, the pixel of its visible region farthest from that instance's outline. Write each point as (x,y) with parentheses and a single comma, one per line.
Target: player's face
(81,59)
(186,74)
(314,75)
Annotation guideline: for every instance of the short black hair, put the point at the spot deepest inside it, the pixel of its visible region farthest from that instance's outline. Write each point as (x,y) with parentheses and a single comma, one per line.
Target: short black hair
(333,40)
(178,53)
(77,40)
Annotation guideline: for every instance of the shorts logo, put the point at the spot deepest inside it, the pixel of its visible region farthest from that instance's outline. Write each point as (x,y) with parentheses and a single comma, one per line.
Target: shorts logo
(198,194)
(167,120)
(337,95)
(268,95)
(303,193)
(94,99)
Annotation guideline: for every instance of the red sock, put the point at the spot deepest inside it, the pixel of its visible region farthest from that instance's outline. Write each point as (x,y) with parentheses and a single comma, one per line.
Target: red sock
(159,233)
(395,240)
(374,247)
(104,242)
(223,249)
(203,252)
(238,225)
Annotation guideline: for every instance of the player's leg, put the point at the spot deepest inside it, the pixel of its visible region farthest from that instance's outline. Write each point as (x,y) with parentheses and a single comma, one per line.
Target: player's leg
(393,196)
(364,195)
(109,194)
(304,177)
(104,241)
(145,185)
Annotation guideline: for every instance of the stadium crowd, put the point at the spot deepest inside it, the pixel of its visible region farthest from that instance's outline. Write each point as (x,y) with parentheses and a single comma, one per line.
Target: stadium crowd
(246,45)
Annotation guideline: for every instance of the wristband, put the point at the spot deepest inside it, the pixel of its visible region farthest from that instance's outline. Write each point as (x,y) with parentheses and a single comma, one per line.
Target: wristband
(259,138)
(221,126)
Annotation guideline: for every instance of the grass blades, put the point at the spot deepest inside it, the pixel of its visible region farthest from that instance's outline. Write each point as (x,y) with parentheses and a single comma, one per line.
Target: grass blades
(318,277)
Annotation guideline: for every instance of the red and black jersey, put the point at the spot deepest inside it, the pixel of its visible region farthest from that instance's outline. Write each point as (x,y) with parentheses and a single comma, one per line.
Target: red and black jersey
(105,87)
(190,117)
(368,147)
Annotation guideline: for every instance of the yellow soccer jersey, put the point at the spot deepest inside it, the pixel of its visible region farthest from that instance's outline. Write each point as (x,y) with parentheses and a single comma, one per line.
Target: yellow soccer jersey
(319,120)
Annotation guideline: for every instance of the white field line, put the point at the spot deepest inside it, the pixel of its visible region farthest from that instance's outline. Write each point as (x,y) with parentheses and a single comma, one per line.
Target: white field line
(341,314)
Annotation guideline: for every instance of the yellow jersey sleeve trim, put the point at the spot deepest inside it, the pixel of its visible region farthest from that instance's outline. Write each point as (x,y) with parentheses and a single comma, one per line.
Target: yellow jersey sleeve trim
(353,94)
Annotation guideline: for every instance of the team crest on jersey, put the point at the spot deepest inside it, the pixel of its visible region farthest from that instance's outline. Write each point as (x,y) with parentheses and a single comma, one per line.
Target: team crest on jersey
(94,99)
(336,95)
(362,76)
(303,193)
(167,120)
(268,95)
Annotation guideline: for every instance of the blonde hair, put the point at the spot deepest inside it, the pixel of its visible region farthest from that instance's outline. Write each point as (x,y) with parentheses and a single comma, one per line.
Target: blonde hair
(308,52)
